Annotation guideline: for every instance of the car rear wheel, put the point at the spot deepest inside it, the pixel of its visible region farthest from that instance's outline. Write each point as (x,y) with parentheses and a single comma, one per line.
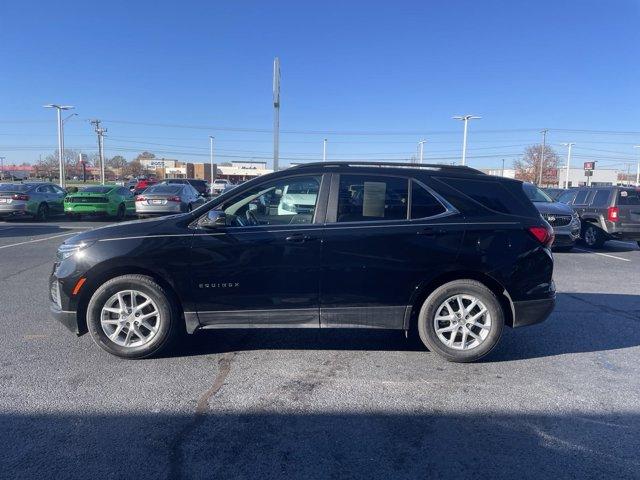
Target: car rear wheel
(593,236)
(461,320)
(43,212)
(132,316)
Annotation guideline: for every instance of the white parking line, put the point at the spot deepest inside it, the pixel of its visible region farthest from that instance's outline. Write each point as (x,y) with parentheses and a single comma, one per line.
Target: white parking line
(602,254)
(38,240)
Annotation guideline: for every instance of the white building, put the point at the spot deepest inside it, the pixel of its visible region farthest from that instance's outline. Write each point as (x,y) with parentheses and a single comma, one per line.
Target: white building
(499,172)
(601,177)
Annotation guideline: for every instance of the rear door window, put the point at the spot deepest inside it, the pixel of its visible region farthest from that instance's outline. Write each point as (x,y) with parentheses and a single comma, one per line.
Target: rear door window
(581,197)
(491,194)
(601,198)
(372,197)
(629,197)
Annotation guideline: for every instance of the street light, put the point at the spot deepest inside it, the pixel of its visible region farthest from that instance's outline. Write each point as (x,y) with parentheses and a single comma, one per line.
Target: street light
(59,109)
(465,119)
(568,145)
(211,139)
(637,169)
(324,150)
(421,148)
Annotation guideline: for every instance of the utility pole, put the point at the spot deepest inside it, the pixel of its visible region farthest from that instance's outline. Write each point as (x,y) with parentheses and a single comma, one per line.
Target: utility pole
(568,170)
(465,119)
(59,109)
(100,132)
(276,113)
(544,147)
(628,174)
(324,150)
(421,150)
(211,140)
(637,169)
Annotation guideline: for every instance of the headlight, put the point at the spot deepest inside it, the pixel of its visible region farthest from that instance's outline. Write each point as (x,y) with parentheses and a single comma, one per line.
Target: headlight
(67,249)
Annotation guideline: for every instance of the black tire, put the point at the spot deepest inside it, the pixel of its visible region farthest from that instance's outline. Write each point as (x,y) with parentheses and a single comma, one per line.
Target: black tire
(427,331)
(122,212)
(168,318)
(42,214)
(593,236)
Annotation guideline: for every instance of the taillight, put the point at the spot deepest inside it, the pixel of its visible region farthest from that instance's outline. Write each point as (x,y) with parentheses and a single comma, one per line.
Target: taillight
(20,196)
(544,235)
(140,198)
(612,214)
(174,199)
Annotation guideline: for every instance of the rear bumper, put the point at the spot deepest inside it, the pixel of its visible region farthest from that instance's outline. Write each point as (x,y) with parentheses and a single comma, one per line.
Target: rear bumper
(15,209)
(92,209)
(68,319)
(530,312)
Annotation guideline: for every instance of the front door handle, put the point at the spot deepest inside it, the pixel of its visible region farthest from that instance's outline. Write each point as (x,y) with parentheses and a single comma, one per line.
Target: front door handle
(299,238)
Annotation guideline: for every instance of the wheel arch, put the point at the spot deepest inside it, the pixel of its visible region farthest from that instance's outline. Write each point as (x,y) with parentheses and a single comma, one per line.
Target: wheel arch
(425,289)
(100,277)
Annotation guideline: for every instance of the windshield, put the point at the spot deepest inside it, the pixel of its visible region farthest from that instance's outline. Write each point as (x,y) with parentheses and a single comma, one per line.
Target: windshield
(97,189)
(11,187)
(535,194)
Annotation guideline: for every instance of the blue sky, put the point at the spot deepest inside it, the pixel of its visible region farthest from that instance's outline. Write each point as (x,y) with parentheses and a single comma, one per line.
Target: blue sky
(393,71)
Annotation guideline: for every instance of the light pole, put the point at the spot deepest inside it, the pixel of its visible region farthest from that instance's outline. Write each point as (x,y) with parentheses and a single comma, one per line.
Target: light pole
(637,169)
(568,145)
(276,113)
(465,119)
(544,147)
(211,139)
(502,175)
(421,149)
(324,150)
(59,109)
(2,168)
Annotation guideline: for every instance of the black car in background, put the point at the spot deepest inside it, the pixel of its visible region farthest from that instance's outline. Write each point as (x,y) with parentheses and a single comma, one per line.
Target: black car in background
(200,185)
(606,212)
(565,222)
(448,252)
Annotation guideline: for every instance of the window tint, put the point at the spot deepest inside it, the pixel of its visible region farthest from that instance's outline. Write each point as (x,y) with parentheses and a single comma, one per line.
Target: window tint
(581,197)
(164,189)
(489,193)
(423,204)
(286,201)
(601,198)
(58,190)
(44,189)
(629,197)
(372,197)
(97,189)
(566,197)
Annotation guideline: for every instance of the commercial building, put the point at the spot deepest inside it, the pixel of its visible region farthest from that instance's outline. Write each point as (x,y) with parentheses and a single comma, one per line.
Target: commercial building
(237,171)
(600,177)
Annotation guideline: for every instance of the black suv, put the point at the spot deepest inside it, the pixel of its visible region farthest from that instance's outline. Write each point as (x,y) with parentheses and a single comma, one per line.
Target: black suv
(606,213)
(448,252)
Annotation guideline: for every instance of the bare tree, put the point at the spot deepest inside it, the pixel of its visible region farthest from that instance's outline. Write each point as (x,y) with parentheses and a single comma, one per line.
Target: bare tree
(528,168)
(134,168)
(117,163)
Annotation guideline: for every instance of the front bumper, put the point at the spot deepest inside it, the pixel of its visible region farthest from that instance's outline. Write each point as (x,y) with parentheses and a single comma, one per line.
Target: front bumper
(530,312)
(68,319)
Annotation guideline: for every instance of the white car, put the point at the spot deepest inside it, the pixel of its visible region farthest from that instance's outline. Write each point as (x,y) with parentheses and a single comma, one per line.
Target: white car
(218,186)
(298,198)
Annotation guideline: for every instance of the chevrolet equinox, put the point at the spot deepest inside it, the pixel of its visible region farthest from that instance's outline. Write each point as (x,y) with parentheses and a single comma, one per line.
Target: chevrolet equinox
(444,251)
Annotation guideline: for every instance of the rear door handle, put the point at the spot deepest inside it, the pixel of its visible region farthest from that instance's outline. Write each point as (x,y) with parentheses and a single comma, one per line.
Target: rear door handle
(299,238)
(431,232)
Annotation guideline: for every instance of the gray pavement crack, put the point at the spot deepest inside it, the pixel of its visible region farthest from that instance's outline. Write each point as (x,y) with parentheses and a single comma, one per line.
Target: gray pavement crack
(202,407)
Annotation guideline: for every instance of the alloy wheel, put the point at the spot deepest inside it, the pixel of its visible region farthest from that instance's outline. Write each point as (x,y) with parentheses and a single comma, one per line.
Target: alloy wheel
(130,318)
(462,322)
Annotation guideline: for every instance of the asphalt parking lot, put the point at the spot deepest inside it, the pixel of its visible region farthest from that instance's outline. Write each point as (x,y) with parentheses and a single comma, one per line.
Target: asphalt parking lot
(560,399)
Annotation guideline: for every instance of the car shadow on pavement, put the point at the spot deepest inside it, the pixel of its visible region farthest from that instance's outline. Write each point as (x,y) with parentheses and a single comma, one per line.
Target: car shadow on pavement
(17,231)
(299,444)
(581,322)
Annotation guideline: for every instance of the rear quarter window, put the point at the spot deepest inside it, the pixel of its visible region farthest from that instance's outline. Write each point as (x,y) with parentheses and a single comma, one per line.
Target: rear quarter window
(581,197)
(502,197)
(601,198)
(629,197)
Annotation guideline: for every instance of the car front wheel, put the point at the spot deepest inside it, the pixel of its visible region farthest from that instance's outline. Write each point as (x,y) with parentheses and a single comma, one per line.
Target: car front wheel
(132,316)
(593,236)
(461,321)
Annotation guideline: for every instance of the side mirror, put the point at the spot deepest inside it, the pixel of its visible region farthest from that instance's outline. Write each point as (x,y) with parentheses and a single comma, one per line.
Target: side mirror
(214,219)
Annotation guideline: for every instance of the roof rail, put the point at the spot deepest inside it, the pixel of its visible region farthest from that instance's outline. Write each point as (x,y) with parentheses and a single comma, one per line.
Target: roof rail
(423,166)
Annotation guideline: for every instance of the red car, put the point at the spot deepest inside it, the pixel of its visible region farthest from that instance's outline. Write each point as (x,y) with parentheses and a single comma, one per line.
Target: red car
(143,184)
